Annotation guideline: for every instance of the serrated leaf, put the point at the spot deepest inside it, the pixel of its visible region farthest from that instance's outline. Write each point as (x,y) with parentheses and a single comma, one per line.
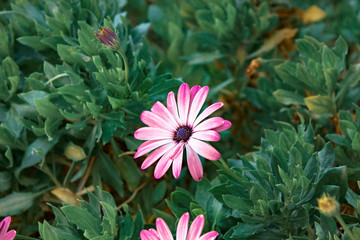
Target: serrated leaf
(110,213)
(47,232)
(83,220)
(320,104)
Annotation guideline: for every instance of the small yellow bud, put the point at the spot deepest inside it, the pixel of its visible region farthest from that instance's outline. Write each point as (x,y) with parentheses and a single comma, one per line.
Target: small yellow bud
(74,152)
(328,205)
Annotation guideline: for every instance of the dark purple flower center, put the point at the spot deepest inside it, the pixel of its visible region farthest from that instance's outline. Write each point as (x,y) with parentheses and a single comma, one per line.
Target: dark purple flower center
(183,133)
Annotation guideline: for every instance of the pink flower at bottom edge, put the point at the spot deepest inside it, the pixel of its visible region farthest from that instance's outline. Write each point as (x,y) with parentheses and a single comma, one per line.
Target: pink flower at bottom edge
(162,231)
(177,127)
(4,234)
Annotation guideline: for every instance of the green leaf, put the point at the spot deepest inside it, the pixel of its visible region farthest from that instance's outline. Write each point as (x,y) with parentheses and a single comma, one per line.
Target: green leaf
(159,192)
(47,109)
(288,97)
(341,47)
(5,181)
(7,138)
(110,214)
(286,71)
(320,104)
(356,142)
(330,80)
(10,74)
(32,156)
(329,58)
(47,232)
(109,172)
(242,230)
(203,58)
(161,88)
(83,220)
(236,203)
(308,49)
(327,157)
(33,42)
(71,54)
(116,103)
(335,176)
(336,138)
(30,96)
(88,42)
(16,203)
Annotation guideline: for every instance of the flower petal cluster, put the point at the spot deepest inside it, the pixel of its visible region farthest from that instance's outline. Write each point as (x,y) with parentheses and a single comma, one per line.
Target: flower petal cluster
(108,38)
(177,127)
(162,231)
(328,205)
(4,234)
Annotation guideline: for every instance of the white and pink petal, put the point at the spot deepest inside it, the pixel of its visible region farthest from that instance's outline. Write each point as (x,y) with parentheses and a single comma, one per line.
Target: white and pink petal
(209,236)
(196,105)
(159,109)
(194,164)
(183,100)
(153,120)
(163,230)
(223,127)
(208,135)
(193,91)
(182,227)
(205,150)
(150,145)
(210,123)
(163,165)
(148,235)
(155,155)
(196,228)
(172,106)
(207,112)
(151,133)
(177,165)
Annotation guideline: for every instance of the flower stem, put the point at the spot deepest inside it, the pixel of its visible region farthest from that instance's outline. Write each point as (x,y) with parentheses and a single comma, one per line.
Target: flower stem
(56,77)
(46,169)
(343,224)
(69,173)
(120,51)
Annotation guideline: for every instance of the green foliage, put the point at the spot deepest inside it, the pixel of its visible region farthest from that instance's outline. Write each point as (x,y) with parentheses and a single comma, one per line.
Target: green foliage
(203,32)
(60,85)
(69,108)
(318,74)
(97,219)
(271,192)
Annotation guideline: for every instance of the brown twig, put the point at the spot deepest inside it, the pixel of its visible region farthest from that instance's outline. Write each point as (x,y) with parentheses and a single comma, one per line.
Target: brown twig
(91,188)
(87,174)
(133,195)
(126,153)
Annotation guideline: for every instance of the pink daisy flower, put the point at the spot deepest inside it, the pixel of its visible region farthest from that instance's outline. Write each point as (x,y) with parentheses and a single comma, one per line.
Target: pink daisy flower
(4,234)
(162,231)
(177,127)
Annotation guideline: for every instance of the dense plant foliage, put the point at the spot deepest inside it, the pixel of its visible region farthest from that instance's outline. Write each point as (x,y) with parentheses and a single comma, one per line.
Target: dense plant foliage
(76,75)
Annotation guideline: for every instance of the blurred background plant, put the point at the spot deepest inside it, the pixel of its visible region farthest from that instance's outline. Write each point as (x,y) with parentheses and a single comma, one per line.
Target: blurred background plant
(287,72)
